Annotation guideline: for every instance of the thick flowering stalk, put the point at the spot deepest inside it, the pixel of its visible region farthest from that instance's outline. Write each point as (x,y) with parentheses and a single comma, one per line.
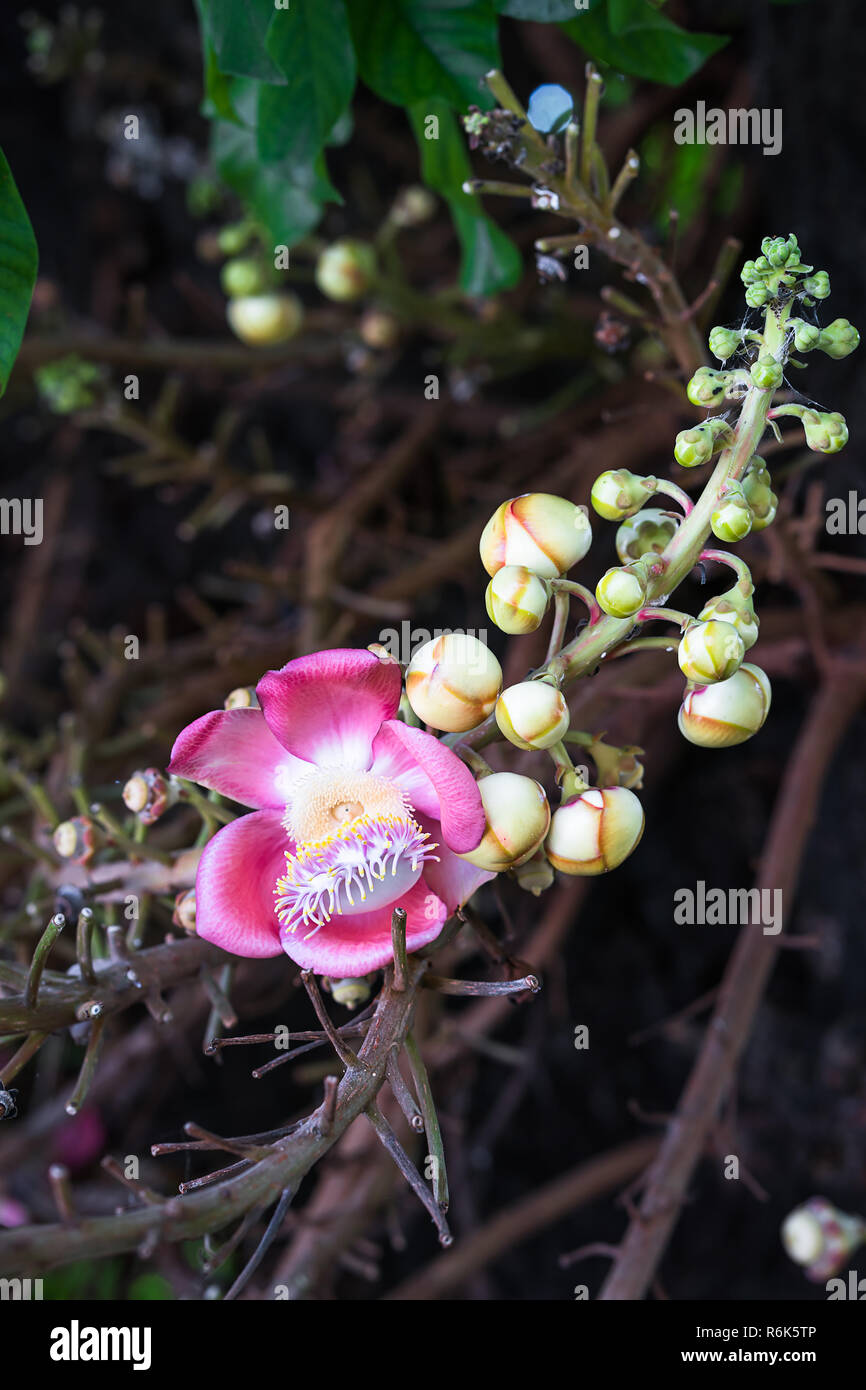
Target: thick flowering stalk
(726,700)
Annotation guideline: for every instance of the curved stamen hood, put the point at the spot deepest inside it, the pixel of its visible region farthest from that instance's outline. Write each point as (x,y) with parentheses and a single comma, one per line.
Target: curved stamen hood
(369,862)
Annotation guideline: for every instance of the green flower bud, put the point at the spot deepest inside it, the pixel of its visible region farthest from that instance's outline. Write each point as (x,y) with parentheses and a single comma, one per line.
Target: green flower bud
(619,494)
(724,342)
(351,992)
(806,335)
(535,875)
(264,319)
(518,818)
(516,599)
(757,471)
(731,518)
(734,608)
(817,285)
(757,295)
(780,250)
(621,592)
(826,431)
(710,651)
(243,276)
(646,532)
(532,714)
(759,495)
(750,273)
(768,513)
(707,387)
(762,264)
(697,445)
(595,831)
(839,339)
(766,373)
(345,270)
(232,239)
(727,712)
(453,682)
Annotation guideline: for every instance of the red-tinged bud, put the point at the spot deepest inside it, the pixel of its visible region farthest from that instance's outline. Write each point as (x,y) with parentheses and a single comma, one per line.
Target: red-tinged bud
(727,712)
(148,794)
(453,682)
(184,911)
(547,534)
(518,817)
(75,839)
(595,831)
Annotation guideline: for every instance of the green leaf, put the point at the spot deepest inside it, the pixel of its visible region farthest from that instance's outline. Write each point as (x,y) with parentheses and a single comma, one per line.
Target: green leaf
(416,50)
(285,197)
(237,29)
(312,46)
(647,45)
(19,258)
(542,11)
(490,260)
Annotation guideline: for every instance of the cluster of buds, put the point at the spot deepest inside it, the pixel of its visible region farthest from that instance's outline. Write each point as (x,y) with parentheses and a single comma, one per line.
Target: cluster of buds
(259,311)
(779,271)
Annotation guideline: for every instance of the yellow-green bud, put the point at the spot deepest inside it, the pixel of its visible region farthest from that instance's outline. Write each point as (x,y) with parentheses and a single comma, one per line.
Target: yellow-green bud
(516,599)
(453,682)
(731,518)
(621,592)
(724,342)
(618,494)
(707,387)
(263,319)
(535,875)
(733,608)
(532,714)
(710,651)
(697,445)
(346,269)
(839,339)
(242,277)
(647,532)
(547,534)
(766,373)
(826,431)
(243,697)
(595,831)
(518,816)
(351,992)
(726,712)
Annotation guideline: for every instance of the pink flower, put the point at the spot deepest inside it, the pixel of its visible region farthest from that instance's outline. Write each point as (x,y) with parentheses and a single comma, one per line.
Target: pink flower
(357,813)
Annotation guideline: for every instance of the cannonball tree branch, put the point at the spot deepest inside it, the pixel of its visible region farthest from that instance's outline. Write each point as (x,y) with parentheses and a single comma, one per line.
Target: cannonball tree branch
(569,186)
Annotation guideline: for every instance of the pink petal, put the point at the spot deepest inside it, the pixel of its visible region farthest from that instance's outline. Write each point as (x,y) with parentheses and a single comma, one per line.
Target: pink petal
(346,947)
(438,769)
(452,879)
(327,708)
(234,887)
(233,751)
